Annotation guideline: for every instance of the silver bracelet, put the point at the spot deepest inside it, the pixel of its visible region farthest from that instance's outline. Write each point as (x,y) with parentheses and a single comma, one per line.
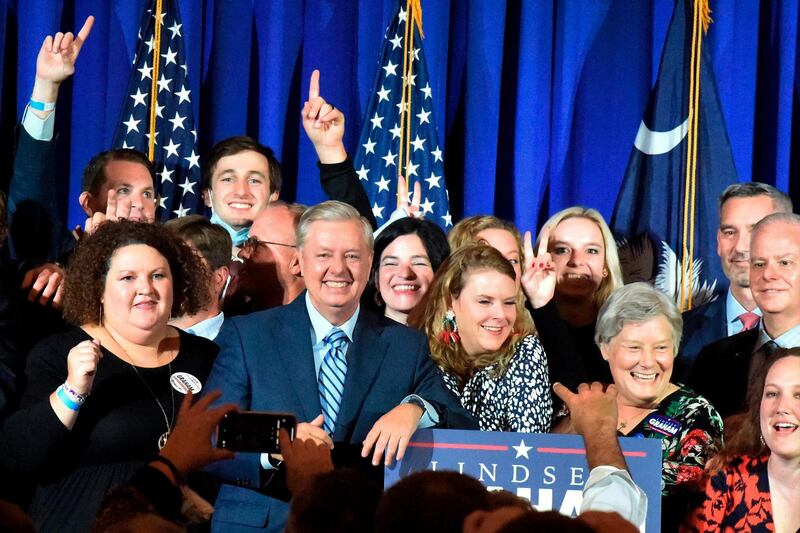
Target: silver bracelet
(74,395)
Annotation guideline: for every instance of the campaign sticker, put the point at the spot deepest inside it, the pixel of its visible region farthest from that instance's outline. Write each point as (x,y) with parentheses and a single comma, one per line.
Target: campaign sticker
(664,425)
(184,382)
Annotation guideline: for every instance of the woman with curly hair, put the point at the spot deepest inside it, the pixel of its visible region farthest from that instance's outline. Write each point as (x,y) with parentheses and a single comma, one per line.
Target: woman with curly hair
(480,338)
(102,398)
(754,484)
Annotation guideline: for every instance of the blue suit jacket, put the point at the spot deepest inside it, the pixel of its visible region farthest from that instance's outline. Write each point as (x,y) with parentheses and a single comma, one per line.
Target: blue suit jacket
(701,326)
(266,364)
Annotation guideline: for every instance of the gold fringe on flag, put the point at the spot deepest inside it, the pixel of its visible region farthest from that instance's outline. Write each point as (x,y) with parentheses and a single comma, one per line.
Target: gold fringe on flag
(154,82)
(413,14)
(701,16)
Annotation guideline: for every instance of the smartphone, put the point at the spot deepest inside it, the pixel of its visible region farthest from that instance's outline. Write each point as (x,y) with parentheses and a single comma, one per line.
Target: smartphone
(253,431)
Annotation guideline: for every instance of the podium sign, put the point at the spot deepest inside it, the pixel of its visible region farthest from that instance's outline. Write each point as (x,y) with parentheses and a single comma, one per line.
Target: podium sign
(549,470)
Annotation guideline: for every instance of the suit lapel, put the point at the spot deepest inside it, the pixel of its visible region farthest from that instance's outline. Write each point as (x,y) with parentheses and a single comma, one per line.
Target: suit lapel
(364,359)
(294,352)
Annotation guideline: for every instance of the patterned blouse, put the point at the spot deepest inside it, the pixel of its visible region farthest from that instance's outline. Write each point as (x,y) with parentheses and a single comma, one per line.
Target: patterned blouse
(690,430)
(517,400)
(736,499)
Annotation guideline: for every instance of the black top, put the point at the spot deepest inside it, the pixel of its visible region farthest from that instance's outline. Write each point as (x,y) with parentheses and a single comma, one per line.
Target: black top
(572,355)
(116,431)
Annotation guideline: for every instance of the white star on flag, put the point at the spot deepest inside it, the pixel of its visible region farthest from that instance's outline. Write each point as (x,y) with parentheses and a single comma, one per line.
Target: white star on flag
(377,211)
(169,57)
(369,146)
(389,158)
(133,125)
(433,181)
(427,206)
(187,186)
(417,143)
(391,69)
(363,173)
(177,121)
(139,97)
(383,184)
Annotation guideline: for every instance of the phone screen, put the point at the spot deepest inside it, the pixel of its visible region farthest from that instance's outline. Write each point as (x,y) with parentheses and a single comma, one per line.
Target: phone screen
(251,431)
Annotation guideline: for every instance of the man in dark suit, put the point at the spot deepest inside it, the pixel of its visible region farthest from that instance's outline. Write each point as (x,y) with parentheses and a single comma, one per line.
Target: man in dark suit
(280,360)
(741,206)
(721,371)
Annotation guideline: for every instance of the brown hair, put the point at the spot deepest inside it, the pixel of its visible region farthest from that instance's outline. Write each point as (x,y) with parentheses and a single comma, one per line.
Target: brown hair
(447,284)
(85,278)
(211,241)
(94,175)
(747,439)
(467,229)
(237,145)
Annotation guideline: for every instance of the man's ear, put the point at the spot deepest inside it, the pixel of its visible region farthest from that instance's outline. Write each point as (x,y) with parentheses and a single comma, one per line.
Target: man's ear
(86,200)
(219,278)
(294,265)
(274,196)
(207,197)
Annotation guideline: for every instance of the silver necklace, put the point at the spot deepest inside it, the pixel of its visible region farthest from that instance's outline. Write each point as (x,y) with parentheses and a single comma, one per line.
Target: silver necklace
(162,440)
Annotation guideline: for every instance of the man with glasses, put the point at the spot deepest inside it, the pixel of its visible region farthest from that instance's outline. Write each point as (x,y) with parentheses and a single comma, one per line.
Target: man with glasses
(270,274)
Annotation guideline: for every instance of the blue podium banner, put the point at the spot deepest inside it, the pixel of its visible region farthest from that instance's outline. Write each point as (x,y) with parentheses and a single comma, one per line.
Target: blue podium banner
(549,470)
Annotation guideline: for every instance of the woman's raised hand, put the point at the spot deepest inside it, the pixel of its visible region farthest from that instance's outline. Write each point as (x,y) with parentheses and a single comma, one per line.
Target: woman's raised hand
(539,275)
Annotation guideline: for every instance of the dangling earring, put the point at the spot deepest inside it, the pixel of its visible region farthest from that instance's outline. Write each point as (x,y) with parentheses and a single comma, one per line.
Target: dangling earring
(100,319)
(761,438)
(449,333)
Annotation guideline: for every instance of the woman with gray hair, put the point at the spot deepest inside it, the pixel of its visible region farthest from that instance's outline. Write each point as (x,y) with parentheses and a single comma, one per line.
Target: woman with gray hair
(638,332)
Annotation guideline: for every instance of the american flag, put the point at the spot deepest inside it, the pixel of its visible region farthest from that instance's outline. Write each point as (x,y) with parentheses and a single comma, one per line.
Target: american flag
(398,138)
(175,149)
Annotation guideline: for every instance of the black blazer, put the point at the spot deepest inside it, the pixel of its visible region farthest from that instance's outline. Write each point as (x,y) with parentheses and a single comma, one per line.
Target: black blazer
(721,371)
(701,326)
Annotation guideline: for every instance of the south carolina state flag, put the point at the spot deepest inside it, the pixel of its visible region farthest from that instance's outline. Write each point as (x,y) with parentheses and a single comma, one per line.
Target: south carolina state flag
(667,211)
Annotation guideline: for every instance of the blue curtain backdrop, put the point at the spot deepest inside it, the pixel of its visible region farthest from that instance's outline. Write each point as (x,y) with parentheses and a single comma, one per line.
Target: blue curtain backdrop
(537,101)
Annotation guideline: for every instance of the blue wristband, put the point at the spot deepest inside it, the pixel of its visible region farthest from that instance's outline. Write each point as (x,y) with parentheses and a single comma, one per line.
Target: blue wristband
(42,106)
(74,406)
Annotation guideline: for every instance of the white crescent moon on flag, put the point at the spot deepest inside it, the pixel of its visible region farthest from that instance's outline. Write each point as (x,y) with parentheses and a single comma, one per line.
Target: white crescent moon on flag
(659,142)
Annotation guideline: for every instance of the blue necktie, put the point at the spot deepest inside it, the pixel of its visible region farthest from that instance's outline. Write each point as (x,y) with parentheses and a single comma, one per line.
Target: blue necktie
(331,377)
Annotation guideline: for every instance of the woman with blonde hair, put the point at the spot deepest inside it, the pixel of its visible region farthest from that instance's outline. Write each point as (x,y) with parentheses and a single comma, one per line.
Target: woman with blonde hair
(575,271)
(481,338)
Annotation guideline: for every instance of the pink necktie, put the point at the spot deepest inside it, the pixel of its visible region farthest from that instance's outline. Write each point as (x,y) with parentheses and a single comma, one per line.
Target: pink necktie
(749,320)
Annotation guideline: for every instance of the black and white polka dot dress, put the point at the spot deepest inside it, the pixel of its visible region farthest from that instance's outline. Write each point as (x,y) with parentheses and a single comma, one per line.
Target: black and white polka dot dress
(518,400)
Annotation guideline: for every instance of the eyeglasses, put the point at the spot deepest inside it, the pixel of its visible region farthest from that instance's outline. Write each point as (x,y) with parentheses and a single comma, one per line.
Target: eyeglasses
(252,243)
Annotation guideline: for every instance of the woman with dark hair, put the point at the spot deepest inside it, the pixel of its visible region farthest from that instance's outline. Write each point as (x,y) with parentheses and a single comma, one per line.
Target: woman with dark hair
(755,484)
(481,338)
(102,398)
(407,253)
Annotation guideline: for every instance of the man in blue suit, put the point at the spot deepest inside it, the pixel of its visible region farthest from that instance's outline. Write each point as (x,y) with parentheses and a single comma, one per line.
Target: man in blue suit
(741,206)
(281,360)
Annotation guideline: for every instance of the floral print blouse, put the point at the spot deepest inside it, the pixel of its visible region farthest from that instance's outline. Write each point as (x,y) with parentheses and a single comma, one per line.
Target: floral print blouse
(690,430)
(517,400)
(736,499)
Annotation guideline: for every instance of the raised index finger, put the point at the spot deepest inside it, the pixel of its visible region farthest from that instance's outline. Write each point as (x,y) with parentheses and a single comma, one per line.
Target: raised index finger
(313,86)
(544,241)
(86,29)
